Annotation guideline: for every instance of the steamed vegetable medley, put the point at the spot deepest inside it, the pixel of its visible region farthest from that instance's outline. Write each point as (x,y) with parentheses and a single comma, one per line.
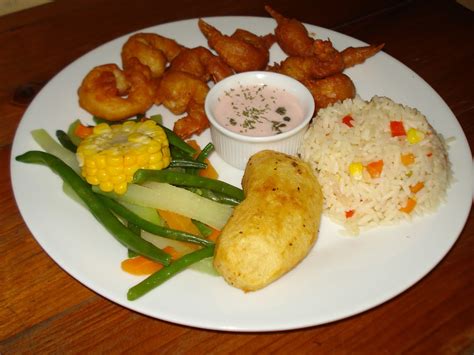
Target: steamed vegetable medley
(155,193)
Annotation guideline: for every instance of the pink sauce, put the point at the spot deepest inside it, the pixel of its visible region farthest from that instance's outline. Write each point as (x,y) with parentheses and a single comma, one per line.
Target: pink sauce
(258,110)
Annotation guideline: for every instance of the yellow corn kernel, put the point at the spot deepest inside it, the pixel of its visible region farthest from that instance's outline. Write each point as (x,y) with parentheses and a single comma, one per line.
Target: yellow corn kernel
(114,160)
(407,159)
(100,160)
(92,180)
(414,136)
(106,186)
(118,179)
(111,155)
(120,188)
(356,169)
(129,159)
(101,128)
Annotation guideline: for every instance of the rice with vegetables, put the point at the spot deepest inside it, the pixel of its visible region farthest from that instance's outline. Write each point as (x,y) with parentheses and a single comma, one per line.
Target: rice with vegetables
(378,162)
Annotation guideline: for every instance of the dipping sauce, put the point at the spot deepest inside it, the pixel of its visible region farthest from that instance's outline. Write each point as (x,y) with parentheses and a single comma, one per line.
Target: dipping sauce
(258,110)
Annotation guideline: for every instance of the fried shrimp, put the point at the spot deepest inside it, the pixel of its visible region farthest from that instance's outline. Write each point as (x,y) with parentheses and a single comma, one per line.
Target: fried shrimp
(113,94)
(331,89)
(201,63)
(242,51)
(182,92)
(301,68)
(294,39)
(291,35)
(152,50)
(357,55)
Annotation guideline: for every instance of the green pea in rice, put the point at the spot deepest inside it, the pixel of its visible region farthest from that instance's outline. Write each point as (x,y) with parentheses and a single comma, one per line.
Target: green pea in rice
(359,202)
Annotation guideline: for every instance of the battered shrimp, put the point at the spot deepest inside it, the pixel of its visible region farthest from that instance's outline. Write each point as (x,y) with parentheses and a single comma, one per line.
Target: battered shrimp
(291,35)
(353,56)
(113,94)
(331,89)
(294,39)
(201,63)
(181,92)
(242,51)
(301,68)
(151,49)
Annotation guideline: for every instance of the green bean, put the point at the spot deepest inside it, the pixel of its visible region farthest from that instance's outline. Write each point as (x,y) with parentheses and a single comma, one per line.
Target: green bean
(131,254)
(187,163)
(65,141)
(202,157)
(71,132)
(131,217)
(96,206)
(157,118)
(214,196)
(184,179)
(159,277)
(134,228)
(204,230)
(205,152)
(177,153)
(98,120)
(176,141)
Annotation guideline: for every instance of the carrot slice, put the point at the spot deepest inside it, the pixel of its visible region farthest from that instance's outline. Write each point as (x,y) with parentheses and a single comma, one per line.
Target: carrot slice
(175,255)
(397,128)
(349,213)
(407,159)
(210,172)
(83,131)
(179,222)
(214,235)
(417,187)
(195,145)
(347,120)
(375,168)
(139,265)
(411,203)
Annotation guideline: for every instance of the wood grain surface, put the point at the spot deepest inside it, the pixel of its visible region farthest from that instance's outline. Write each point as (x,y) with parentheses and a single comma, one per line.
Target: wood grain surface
(43,309)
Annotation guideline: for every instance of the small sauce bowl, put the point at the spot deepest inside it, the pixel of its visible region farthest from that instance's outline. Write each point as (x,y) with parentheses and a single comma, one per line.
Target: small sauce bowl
(237,146)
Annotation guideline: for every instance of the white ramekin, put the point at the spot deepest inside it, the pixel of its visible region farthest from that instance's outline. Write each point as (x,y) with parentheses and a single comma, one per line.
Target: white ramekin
(235,148)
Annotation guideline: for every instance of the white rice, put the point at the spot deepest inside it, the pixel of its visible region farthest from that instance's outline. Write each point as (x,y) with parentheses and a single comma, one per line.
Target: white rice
(330,146)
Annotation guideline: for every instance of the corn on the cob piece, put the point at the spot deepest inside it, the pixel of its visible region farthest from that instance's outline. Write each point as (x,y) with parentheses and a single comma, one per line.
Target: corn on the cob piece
(112,154)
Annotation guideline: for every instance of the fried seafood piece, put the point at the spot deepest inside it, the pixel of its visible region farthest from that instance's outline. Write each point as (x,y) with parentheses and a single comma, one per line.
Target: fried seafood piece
(275,226)
(291,35)
(308,68)
(182,92)
(200,62)
(357,55)
(294,39)
(113,94)
(242,51)
(331,89)
(152,50)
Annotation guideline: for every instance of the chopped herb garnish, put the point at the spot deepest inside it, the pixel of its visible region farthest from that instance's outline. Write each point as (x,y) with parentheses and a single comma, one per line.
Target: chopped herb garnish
(281,110)
(256,108)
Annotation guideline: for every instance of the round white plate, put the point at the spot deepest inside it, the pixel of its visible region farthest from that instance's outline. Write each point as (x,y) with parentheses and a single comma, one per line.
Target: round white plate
(342,276)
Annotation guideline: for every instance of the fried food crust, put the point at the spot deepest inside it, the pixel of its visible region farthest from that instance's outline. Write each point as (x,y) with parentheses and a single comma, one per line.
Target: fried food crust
(276,225)
(112,94)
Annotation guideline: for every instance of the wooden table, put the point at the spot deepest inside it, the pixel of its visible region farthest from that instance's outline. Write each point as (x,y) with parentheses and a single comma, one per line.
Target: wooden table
(43,309)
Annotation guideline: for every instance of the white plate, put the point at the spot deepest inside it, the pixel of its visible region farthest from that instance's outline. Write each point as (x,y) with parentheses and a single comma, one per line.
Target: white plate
(341,277)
